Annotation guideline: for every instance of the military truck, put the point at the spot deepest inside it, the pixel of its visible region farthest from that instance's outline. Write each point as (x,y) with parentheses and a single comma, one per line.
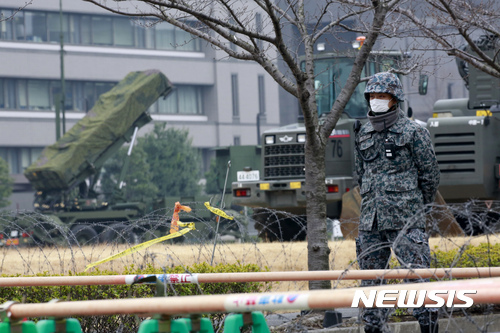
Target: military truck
(68,206)
(279,183)
(465,136)
(65,174)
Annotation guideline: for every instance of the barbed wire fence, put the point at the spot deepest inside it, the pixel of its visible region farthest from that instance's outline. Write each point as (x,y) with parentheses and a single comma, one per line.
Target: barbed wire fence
(271,239)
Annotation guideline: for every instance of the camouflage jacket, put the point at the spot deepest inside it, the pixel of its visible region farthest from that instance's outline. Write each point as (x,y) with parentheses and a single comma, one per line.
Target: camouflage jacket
(394,191)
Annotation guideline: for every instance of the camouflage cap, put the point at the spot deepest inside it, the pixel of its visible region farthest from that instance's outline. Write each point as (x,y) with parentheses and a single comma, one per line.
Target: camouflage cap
(385,82)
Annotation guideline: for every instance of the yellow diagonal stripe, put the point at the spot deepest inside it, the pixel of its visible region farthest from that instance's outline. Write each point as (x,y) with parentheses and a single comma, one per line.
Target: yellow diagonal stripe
(186,224)
(190,226)
(217,211)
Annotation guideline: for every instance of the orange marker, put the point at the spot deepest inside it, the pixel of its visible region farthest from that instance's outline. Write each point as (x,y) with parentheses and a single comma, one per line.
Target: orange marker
(174,227)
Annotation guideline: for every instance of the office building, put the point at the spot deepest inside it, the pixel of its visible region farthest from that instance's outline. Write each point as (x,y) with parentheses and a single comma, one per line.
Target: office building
(217,99)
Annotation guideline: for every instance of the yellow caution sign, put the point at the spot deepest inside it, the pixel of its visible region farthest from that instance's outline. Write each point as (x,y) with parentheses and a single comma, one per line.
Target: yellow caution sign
(483,113)
(217,211)
(190,226)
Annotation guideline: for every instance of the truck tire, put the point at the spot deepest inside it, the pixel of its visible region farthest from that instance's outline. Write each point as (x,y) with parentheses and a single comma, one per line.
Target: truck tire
(82,235)
(119,233)
(478,221)
(273,226)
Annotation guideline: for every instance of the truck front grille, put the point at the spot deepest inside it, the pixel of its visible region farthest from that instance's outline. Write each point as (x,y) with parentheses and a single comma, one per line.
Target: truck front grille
(455,152)
(284,161)
(284,149)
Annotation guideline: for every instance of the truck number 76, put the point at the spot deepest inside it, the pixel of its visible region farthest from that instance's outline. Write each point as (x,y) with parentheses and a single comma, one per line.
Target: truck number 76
(337,148)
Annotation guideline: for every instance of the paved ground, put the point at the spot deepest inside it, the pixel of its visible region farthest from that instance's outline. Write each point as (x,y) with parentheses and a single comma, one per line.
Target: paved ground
(473,324)
(278,319)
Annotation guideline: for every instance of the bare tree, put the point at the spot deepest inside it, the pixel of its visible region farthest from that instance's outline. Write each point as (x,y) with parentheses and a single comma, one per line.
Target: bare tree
(222,22)
(466,29)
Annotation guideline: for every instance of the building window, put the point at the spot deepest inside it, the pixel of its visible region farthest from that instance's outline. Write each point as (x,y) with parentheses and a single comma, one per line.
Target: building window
(74,31)
(22,95)
(38,95)
(89,95)
(85,31)
(36,26)
(19,158)
(164,36)
(183,100)
(185,41)
(18,94)
(2,95)
(235,95)
(54,27)
(54,95)
(123,32)
(102,30)
(105,30)
(262,95)
(5,24)
(53,32)
(18,23)
(10,94)
(237,141)
(258,27)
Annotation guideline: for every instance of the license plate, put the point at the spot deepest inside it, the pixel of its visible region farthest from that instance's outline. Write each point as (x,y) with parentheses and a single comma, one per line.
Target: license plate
(248,175)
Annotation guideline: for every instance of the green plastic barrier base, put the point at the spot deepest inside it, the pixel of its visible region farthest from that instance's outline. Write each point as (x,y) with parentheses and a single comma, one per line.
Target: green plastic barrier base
(200,325)
(69,325)
(235,322)
(161,326)
(21,327)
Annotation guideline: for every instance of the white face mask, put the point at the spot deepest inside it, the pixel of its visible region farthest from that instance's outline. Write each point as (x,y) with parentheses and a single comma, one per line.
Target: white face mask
(379,105)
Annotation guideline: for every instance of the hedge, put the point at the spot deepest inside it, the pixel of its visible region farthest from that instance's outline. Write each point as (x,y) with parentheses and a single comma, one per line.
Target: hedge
(482,255)
(130,323)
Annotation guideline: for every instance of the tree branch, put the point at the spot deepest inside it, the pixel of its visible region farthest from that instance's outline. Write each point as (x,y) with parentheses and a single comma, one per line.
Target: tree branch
(338,106)
(482,61)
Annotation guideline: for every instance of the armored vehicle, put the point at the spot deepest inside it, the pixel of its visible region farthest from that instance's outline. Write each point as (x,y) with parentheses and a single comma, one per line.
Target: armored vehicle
(279,183)
(465,137)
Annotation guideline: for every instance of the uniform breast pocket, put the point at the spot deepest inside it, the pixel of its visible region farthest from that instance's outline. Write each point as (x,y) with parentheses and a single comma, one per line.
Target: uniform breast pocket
(366,144)
(367,149)
(402,147)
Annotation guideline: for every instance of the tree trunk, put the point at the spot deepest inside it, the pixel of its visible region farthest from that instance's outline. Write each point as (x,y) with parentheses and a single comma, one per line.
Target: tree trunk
(317,242)
(317,239)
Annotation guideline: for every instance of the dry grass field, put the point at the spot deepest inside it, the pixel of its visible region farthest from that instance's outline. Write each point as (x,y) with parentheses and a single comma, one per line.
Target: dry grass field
(291,256)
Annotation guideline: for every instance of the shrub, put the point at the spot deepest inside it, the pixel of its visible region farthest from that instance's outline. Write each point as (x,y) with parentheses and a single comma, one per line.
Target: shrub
(482,255)
(127,323)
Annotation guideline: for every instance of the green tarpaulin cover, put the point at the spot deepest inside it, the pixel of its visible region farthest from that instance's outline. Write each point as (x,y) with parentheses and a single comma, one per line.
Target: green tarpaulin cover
(91,141)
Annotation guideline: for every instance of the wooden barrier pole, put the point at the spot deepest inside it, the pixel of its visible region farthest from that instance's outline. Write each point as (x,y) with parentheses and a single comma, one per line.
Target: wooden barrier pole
(257,276)
(488,292)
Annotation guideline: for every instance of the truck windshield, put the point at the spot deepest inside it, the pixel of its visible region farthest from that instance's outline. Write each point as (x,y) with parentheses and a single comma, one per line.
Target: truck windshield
(331,76)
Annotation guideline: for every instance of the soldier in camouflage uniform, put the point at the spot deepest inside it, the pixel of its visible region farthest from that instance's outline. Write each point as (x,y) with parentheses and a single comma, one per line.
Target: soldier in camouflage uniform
(398,175)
